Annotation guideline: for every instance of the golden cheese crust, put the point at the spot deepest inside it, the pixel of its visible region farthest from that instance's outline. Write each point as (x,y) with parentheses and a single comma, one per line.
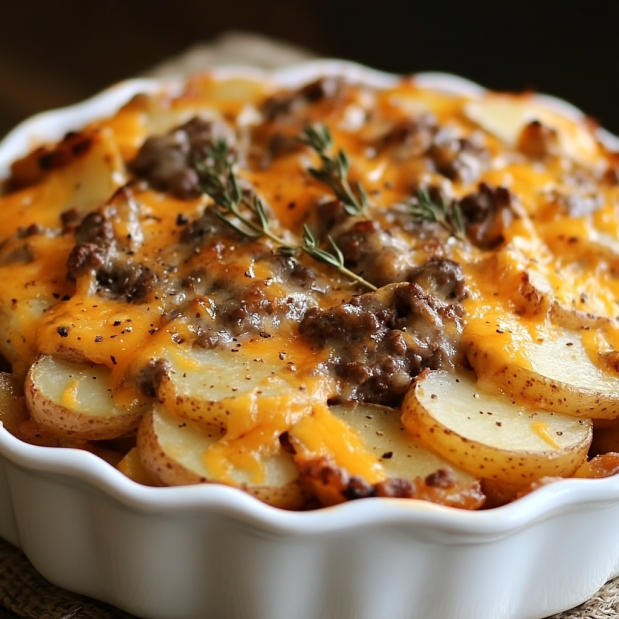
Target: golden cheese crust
(247,256)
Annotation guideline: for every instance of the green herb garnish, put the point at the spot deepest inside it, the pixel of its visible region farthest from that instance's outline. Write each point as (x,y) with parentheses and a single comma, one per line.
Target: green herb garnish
(334,170)
(248,215)
(448,216)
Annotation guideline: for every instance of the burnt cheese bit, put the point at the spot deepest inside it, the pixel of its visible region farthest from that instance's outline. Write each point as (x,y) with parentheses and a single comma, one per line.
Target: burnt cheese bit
(32,230)
(62,331)
(72,146)
(33,168)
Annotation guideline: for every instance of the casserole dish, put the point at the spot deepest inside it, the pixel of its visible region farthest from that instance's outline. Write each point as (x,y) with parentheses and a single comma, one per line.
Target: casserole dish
(213,552)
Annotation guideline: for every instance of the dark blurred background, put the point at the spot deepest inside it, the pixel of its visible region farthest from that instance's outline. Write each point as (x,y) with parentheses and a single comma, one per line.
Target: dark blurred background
(55,52)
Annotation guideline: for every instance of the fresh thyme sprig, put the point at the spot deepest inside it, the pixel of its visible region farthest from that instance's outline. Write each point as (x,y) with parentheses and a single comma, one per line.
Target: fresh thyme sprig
(218,180)
(334,170)
(449,217)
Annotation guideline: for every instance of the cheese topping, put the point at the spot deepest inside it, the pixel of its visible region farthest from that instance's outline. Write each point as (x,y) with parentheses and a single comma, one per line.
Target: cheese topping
(446,221)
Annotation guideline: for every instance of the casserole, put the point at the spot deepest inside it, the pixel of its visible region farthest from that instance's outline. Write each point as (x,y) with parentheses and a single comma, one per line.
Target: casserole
(359,557)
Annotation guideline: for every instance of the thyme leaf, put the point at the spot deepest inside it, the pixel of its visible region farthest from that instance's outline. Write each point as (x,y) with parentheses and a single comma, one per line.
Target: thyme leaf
(334,170)
(448,216)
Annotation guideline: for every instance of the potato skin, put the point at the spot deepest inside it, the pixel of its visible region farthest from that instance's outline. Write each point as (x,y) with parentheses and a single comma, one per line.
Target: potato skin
(157,462)
(527,386)
(202,411)
(65,422)
(170,472)
(512,467)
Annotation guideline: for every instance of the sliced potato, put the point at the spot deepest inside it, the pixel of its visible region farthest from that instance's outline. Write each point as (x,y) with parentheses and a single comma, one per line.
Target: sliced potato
(363,450)
(537,291)
(34,433)
(94,177)
(588,245)
(234,391)
(505,116)
(176,451)
(11,345)
(606,247)
(75,400)
(551,371)
(490,436)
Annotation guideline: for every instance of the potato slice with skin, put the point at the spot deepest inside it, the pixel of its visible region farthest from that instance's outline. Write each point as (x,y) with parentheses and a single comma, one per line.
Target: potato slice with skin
(236,392)
(396,464)
(506,115)
(173,448)
(93,177)
(534,294)
(490,436)
(552,373)
(75,400)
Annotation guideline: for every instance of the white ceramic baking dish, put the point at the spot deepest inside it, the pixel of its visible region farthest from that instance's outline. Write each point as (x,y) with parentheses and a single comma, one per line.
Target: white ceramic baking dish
(212,552)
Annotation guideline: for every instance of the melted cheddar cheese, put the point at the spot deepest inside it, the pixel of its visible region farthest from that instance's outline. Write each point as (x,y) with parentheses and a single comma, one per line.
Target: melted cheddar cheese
(114,254)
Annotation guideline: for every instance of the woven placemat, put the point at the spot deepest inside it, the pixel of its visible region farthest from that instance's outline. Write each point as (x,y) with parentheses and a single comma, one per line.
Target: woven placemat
(23,592)
(27,594)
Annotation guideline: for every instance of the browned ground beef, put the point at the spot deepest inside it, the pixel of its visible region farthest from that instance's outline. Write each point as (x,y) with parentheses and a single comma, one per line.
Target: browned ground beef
(379,341)
(373,253)
(487,213)
(167,162)
(439,487)
(441,278)
(97,251)
(459,159)
(292,106)
(410,138)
